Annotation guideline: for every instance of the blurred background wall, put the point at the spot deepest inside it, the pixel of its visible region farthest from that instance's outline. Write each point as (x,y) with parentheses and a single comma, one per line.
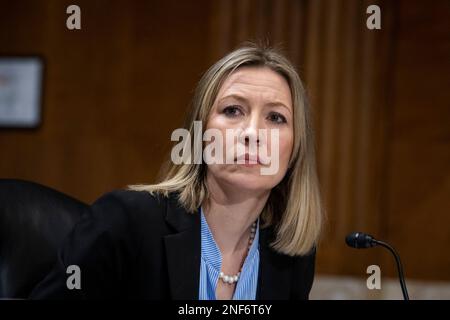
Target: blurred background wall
(116,89)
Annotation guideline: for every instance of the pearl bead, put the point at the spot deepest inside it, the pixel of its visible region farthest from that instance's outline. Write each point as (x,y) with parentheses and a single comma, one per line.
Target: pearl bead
(234,278)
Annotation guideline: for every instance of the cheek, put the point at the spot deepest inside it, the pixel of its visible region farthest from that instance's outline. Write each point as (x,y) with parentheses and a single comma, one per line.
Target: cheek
(285,152)
(220,123)
(285,145)
(215,123)
(286,149)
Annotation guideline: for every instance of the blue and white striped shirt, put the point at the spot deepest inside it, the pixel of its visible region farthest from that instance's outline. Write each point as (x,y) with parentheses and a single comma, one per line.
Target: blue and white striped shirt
(211,264)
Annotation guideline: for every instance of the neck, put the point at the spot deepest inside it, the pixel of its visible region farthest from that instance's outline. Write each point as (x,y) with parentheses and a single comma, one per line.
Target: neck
(230,215)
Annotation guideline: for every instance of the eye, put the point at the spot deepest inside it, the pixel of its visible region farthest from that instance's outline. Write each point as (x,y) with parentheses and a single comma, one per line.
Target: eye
(277,118)
(232,111)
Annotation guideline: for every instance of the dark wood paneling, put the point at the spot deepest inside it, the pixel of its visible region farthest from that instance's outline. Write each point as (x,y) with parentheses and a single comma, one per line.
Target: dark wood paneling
(418,181)
(114,90)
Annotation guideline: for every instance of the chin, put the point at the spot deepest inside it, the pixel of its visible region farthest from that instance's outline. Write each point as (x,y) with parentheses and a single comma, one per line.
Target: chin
(250,183)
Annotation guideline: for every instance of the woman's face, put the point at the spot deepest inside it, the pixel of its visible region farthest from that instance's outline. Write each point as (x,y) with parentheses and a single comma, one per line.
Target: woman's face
(250,99)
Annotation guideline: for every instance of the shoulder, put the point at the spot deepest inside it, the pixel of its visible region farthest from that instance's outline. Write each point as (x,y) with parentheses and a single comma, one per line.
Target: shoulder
(132,202)
(129,210)
(130,199)
(304,270)
(305,264)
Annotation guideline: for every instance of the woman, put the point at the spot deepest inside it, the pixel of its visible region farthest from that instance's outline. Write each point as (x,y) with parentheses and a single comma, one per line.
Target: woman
(212,230)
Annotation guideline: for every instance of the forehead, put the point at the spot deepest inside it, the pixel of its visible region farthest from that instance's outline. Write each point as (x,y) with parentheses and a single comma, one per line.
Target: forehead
(261,82)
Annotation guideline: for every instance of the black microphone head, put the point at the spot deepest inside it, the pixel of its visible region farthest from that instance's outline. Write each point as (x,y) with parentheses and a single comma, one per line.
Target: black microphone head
(360,240)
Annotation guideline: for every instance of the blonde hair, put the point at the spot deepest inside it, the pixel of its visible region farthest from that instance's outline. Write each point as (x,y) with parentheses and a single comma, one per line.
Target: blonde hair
(294,205)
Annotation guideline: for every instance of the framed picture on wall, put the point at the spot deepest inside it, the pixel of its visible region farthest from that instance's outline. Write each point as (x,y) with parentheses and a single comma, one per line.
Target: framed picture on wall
(21,91)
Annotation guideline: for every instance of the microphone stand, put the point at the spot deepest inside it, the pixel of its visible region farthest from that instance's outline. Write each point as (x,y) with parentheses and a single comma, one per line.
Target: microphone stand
(399,266)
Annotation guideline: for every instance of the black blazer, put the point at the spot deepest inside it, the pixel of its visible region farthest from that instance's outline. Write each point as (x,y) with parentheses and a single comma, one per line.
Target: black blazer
(134,245)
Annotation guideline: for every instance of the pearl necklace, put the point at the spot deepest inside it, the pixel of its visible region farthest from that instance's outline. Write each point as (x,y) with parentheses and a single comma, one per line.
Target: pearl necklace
(230,279)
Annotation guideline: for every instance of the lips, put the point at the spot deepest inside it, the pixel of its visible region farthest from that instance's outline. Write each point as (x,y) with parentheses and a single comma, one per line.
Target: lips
(248,159)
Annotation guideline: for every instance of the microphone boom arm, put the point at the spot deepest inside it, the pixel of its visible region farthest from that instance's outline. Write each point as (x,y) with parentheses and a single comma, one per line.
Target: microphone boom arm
(399,266)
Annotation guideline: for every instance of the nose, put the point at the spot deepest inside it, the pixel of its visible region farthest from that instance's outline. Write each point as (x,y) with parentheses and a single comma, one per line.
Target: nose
(250,131)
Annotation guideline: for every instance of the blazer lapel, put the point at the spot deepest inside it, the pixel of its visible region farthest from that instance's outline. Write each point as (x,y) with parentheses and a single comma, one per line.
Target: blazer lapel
(275,271)
(183,251)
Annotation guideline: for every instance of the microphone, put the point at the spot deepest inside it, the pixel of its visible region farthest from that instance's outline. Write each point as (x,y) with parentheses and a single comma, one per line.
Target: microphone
(360,240)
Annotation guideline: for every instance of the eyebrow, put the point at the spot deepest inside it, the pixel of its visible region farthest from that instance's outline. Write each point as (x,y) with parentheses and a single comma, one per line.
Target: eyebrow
(243,99)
